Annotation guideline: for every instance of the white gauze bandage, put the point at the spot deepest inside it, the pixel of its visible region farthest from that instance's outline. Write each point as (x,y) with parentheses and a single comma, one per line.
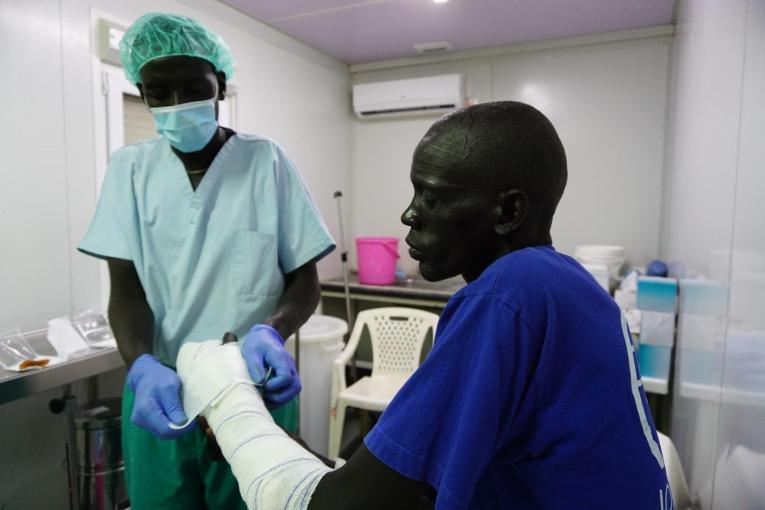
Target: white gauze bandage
(204,387)
(273,471)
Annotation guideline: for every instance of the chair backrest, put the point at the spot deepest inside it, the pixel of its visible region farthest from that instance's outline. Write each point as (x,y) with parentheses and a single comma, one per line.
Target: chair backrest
(397,335)
(675,474)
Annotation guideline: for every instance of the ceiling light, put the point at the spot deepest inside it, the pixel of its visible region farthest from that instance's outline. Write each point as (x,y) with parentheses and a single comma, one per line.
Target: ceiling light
(440,1)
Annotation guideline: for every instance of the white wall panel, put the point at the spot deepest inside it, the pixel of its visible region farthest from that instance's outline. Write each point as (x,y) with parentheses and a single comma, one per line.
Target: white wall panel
(715,227)
(740,459)
(607,101)
(34,254)
(608,104)
(708,67)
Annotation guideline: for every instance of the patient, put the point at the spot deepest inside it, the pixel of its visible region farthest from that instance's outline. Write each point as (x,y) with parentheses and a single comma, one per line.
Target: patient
(531,397)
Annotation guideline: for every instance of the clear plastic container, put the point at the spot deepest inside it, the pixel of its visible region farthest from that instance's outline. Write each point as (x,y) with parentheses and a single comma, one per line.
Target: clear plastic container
(93,327)
(15,350)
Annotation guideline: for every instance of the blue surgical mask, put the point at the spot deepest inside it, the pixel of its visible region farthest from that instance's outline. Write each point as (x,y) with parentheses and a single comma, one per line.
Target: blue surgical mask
(187,126)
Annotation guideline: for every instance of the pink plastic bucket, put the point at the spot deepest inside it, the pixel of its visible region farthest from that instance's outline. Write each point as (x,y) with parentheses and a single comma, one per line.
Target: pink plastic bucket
(377,259)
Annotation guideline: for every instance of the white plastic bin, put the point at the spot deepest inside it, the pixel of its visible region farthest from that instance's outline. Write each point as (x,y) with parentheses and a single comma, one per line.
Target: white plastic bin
(321,340)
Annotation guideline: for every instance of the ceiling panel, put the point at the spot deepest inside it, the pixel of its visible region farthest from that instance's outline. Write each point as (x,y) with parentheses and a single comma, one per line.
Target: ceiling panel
(269,10)
(372,30)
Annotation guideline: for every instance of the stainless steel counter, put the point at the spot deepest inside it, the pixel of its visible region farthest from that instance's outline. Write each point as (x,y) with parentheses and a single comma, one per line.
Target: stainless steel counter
(415,290)
(16,385)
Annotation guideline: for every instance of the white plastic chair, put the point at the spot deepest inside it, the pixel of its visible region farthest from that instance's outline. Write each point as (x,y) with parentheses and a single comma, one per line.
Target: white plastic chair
(397,335)
(675,474)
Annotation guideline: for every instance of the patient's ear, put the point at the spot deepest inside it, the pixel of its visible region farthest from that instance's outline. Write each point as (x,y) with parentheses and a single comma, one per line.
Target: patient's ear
(513,208)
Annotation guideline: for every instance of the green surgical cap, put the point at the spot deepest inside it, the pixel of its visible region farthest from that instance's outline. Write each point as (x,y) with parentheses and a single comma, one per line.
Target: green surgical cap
(156,35)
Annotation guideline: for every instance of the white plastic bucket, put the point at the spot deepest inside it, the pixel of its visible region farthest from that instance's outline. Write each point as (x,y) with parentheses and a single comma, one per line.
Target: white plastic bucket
(598,254)
(321,340)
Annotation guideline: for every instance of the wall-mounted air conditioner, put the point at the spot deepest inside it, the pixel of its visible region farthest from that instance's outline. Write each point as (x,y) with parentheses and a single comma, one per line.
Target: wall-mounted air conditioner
(415,96)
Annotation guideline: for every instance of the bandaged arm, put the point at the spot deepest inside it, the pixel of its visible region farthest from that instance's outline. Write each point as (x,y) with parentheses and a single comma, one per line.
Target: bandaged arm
(273,471)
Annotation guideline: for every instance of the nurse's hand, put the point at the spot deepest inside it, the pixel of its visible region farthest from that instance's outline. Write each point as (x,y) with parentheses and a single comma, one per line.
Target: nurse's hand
(263,348)
(157,398)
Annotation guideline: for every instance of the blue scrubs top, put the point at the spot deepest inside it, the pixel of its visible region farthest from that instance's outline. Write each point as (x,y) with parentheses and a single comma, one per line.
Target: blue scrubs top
(530,398)
(212,259)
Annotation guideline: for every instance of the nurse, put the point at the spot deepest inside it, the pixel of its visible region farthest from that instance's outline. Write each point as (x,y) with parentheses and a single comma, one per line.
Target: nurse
(204,231)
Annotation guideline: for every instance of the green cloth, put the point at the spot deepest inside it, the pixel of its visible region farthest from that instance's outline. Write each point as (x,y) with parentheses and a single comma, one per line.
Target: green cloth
(180,474)
(287,415)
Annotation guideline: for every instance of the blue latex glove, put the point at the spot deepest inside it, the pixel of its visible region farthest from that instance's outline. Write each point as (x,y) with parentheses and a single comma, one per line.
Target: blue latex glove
(263,348)
(157,398)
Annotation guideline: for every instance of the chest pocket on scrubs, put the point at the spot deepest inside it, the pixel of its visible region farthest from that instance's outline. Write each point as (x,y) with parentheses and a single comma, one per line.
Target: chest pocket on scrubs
(255,265)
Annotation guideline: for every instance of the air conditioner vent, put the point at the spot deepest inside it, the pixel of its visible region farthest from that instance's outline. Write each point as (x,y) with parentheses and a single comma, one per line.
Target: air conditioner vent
(429,48)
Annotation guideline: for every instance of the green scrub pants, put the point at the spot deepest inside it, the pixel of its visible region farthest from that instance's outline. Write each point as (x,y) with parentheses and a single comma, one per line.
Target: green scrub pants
(180,474)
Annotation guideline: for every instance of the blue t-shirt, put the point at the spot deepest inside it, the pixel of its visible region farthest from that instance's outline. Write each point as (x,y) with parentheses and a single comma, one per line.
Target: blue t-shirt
(530,398)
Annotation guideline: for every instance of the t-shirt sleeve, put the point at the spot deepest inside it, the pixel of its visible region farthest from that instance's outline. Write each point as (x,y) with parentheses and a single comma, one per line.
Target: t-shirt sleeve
(106,236)
(451,417)
(302,235)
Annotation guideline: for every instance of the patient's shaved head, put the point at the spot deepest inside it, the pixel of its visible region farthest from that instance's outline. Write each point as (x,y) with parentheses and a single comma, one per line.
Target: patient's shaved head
(486,181)
(500,145)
